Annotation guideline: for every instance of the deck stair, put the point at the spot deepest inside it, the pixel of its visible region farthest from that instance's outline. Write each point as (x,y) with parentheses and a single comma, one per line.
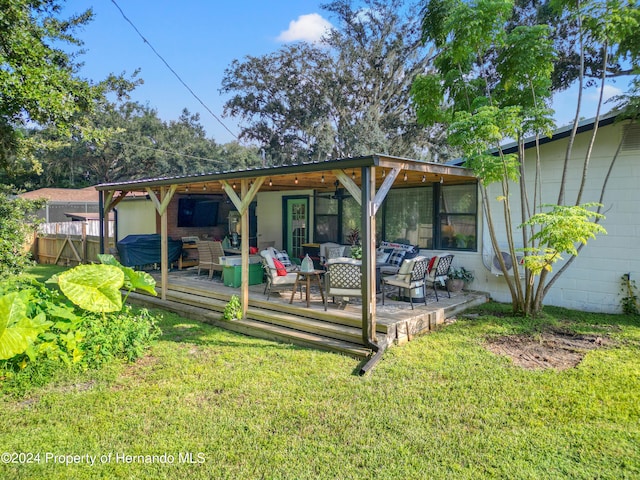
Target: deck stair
(304,327)
(337,330)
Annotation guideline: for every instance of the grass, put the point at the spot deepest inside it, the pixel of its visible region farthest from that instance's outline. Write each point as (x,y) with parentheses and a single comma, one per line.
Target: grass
(441,406)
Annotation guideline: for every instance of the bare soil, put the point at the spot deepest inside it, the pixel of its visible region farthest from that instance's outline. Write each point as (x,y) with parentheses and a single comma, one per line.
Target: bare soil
(559,350)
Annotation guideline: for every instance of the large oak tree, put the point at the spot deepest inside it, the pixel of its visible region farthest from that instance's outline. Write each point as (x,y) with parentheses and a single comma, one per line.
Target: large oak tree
(346,96)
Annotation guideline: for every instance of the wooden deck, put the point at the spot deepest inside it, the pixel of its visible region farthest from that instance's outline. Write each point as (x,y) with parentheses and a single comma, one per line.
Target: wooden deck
(338,329)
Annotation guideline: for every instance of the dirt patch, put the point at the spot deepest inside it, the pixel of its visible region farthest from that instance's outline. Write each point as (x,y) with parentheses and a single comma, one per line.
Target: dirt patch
(557,350)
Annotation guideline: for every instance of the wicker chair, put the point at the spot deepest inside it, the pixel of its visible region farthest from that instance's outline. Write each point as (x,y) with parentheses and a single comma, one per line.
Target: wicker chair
(205,258)
(216,253)
(440,273)
(343,278)
(411,275)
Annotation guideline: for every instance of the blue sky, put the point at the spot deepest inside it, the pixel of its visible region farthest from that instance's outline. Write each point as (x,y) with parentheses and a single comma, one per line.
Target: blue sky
(200,39)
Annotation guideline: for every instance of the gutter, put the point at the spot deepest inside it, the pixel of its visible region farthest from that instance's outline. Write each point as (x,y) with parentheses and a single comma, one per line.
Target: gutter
(374,359)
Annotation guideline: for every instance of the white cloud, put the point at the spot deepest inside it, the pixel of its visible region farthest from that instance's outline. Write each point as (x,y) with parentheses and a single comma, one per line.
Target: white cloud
(309,28)
(609,91)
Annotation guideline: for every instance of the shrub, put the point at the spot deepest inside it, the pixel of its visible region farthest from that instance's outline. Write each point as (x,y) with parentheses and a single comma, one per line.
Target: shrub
(40,329)
(17,221)
(123,335)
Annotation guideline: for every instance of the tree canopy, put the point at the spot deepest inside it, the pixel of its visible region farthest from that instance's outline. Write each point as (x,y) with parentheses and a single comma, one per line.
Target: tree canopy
(347,96)
(38,79)
(494,81)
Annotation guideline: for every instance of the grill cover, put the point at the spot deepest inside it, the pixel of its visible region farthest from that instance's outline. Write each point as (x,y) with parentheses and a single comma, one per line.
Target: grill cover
(138,250)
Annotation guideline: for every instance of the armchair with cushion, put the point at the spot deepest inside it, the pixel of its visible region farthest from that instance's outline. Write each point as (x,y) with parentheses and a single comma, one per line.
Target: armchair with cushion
(343,278)
(411,275)
(439,272)
(276,273)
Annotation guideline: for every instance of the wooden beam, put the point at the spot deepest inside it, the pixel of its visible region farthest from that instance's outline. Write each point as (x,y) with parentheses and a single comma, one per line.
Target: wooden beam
(368,230)
(382,192)
(233,196)
(349,184)
(167,196)
(244,247)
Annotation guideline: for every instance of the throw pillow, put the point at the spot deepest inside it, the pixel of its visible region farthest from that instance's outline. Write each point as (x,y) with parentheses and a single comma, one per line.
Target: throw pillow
(396,257)
(412,253)
(280,268)
(283,256)
(335,252)
(382,256)
(431,263)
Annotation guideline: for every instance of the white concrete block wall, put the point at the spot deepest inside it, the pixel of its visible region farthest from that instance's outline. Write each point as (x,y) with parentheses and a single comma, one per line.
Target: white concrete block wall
(592,282)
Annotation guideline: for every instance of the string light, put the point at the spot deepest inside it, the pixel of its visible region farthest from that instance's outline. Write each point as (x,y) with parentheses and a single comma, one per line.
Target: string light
(296,180)
(424,178)
(204,187)
(322,178)
(270,183)
(186,188)
(405,176)
(234,185)
(353,175)
(441,180)
(383,173)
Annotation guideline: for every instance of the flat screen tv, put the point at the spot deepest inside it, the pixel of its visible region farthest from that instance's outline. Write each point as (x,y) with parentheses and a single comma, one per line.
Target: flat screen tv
(197,212)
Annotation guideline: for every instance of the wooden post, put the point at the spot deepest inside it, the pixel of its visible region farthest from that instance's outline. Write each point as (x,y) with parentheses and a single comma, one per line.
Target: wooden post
(84,242)
(164,245)
(244,249)
(368,230)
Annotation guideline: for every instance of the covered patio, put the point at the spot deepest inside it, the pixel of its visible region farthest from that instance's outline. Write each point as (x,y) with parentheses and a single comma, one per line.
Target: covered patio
(367,180)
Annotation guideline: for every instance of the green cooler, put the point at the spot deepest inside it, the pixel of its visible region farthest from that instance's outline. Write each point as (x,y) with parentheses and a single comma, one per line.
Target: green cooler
(232,275)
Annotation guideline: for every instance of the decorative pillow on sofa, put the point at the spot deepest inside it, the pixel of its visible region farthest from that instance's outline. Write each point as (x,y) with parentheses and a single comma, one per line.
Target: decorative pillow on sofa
(280,268)
(396,257)
(335,252)
(382,256)
(413,253)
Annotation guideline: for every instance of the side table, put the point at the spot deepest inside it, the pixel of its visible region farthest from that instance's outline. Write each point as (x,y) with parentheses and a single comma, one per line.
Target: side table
(306,278)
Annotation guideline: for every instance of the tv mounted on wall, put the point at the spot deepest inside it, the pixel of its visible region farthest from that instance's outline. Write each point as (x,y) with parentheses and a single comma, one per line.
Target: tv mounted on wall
(197,212)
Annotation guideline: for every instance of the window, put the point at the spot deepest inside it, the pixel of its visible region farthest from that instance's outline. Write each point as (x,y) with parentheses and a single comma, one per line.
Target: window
(408,216)
(432,216)
(326,220)
(457,213)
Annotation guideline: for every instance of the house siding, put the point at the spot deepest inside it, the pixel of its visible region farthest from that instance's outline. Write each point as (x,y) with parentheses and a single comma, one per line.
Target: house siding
(592,282)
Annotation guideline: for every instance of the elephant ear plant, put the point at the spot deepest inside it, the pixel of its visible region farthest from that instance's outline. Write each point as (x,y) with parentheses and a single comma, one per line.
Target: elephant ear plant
(97,288)
(37,323)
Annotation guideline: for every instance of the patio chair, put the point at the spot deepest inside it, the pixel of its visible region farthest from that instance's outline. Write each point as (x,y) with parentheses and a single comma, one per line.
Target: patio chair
(343,279)
(273,279)
(205,258)
(410,276)
(439,273)
(216,252)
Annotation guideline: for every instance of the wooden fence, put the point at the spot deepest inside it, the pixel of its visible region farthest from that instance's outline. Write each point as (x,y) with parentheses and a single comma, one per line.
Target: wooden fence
(69,243)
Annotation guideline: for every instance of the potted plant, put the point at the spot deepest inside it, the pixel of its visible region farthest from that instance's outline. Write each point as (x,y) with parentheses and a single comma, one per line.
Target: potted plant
(457,278)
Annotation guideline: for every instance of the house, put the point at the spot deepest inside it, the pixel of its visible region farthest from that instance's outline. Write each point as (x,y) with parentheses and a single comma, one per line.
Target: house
(383,198)
(593,281)
(375,197)
(61,201)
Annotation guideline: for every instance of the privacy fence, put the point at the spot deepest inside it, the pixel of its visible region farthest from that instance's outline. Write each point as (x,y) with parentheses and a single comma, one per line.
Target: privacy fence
(69,243)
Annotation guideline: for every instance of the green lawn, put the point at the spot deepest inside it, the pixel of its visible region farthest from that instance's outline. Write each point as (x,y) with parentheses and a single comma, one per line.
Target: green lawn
(440,407)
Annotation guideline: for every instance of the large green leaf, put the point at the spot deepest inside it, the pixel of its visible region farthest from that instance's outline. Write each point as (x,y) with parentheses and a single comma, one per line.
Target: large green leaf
(17,331)
(134,279)
(95,288)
